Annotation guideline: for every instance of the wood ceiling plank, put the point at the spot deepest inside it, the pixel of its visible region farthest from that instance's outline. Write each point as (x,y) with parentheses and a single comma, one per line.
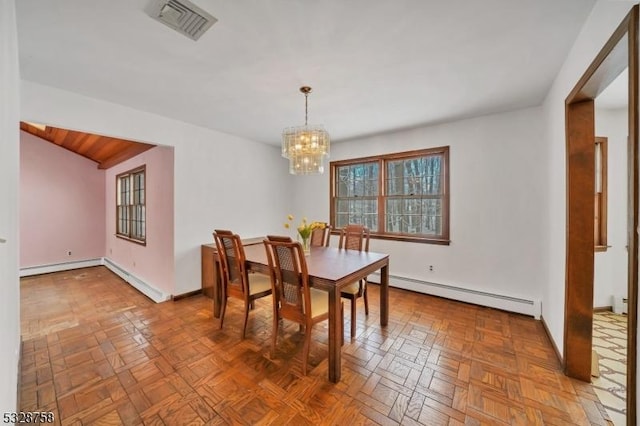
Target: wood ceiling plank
(69,139)
(107,148)
(104,150)
(88,142)
(125,154)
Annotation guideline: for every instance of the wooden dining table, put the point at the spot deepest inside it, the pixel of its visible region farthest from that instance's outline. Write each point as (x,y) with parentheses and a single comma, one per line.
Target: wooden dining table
(331,269)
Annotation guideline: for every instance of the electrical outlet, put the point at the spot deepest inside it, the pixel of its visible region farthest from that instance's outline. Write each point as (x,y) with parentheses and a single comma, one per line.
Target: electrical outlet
(430,268)
(68,252)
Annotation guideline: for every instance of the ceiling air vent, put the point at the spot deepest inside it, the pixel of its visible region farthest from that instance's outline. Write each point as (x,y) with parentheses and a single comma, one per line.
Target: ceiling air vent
(183,16)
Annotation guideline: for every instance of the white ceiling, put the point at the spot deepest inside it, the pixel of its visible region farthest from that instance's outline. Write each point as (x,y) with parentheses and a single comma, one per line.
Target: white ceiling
(374,65)
(616,94)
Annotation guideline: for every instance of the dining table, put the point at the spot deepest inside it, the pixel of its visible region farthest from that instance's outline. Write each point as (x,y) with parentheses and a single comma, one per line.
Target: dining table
(331,269)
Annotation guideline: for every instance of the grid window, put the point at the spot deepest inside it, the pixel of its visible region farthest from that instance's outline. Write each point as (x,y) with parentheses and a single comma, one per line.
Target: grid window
(130,205)
(401,196)
(357,200)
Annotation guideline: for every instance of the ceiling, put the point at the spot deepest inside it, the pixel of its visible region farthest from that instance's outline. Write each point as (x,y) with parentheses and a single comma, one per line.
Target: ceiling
(374,66)
(616,94)
(105,151)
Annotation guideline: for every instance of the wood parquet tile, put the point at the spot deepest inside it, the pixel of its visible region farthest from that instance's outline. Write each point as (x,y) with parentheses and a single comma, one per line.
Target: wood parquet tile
(97,352)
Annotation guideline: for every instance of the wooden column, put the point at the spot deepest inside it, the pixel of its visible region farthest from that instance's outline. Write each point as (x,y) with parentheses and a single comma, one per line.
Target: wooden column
(580,238)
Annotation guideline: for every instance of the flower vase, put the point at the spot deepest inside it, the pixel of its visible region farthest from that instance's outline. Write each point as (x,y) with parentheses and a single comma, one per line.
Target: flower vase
(306,246)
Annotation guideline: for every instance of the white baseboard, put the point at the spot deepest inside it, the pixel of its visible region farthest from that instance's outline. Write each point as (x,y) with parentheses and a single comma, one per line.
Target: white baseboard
(58,267)
(499,301)
(145,288)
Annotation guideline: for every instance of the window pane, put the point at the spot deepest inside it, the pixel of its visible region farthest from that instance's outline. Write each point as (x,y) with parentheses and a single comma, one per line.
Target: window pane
(414,176)
(364,211)
(123,191)
(138,222)
(414,216)
(138,188)
(123,220)
(357,210)
(118,192)
(357,180)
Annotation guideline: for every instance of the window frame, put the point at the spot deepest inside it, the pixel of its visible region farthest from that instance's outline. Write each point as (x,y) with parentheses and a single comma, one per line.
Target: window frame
(442,239)
(600,203)
(131,174)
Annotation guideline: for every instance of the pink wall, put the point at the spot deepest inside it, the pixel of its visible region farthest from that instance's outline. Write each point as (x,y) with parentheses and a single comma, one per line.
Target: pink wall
(62,205)
(153,263)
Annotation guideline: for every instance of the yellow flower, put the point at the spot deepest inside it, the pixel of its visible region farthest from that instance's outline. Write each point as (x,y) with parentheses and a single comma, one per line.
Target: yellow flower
(305,229)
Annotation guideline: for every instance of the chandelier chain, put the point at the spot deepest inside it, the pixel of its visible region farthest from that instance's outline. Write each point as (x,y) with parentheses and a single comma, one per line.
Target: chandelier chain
(306,110)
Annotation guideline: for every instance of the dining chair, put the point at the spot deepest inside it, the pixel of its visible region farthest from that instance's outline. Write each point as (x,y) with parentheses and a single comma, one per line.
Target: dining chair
(320,236)
(293,298)
(355,237)
(237,282)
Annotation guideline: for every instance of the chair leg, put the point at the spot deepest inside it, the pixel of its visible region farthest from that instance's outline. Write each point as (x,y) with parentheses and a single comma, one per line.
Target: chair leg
(365,295)
(223,309)
(305,349)
(353,318)
(274,338)
(247,306)
(223,302)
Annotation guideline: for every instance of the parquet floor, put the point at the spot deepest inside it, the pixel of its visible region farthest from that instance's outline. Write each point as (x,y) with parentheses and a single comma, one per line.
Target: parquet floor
(97,352)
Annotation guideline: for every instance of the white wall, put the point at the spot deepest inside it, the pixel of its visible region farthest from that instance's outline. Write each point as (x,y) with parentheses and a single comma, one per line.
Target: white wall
(221,181)
(611,266)
(9,167)
(603,20)
(498,225)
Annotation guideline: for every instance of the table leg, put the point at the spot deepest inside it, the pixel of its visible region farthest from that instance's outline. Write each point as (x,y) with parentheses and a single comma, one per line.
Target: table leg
(384,295)
(335,333)
(217,281)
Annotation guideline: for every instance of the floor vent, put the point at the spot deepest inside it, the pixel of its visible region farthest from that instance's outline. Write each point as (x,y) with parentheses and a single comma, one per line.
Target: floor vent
(183,16)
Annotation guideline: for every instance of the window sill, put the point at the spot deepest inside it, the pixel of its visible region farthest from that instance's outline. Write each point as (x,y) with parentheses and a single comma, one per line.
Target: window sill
(124,237)
(405,238)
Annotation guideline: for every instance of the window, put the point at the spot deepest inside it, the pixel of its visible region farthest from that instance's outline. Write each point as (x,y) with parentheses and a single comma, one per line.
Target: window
(600,201)
(403,196)
(130,205)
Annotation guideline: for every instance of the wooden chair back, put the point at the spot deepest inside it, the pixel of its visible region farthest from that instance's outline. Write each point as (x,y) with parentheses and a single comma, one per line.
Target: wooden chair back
(233,263)
(289,279)
(354,237)
(320,237)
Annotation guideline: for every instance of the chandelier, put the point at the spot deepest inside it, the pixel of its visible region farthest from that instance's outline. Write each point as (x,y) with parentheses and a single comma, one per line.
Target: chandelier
(305,146)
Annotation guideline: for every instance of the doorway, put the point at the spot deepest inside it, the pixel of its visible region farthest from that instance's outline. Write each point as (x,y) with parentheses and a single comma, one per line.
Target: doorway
(610,325)
(620,52)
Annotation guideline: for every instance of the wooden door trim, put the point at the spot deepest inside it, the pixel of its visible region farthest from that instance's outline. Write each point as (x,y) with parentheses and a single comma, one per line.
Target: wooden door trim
(620,51)
(578,323)
(633,177)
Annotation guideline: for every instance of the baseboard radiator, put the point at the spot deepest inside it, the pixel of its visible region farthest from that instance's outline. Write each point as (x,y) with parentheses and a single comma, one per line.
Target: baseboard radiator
(143,287)
(531,308)
(59,267)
